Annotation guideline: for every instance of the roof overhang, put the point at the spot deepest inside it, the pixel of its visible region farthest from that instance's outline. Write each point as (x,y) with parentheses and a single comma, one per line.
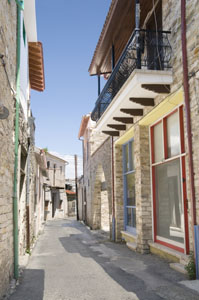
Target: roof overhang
(133,88)
(83,125)
(36,66)
(30,20)
(116,31)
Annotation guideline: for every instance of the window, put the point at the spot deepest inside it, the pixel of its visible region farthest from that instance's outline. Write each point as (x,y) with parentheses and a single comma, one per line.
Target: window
(48,164)
(168,180)
(129,187)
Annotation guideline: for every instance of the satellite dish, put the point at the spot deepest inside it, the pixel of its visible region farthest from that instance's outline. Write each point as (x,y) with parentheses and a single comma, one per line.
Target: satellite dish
(4,112)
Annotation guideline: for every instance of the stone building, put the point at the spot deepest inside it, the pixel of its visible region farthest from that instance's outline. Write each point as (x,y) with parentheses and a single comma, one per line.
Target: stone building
(21,68)
(142,136)
(71,202)
(39,176)
(95,193)
(55,195)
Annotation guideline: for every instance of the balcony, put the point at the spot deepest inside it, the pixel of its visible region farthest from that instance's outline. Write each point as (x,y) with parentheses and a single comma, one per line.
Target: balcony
(143,71)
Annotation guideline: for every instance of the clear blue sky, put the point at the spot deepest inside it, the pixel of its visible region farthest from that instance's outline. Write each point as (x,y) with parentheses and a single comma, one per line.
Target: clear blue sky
(69,31)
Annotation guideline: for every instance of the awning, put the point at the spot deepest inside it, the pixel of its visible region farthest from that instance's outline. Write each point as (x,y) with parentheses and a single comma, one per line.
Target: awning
(36,66)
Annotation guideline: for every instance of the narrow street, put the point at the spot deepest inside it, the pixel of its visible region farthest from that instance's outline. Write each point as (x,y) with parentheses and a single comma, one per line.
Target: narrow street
(71,262)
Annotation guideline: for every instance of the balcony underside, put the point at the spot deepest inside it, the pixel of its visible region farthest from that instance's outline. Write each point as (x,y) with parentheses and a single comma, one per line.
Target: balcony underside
(139,91)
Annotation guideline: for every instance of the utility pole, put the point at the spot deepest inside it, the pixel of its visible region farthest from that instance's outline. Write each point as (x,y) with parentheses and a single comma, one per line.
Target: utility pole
(76,187)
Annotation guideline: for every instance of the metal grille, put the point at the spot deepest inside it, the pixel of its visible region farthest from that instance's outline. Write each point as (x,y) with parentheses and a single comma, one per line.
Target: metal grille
(145,50)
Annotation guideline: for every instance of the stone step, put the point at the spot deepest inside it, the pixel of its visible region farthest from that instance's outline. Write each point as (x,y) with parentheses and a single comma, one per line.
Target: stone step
(168,253)
(178,267)
(132,246)
(184,259)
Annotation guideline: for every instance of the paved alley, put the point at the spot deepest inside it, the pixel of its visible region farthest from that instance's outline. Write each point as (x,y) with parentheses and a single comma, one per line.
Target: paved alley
(70,262)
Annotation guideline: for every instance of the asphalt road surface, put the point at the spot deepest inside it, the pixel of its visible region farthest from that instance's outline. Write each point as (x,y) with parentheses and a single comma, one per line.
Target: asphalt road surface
(70,262)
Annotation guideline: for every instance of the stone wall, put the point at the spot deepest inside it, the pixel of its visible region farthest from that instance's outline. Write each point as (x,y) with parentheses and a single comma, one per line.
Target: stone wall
(8,49)
(142,188)
(119,195)
(101,181)
(97,180)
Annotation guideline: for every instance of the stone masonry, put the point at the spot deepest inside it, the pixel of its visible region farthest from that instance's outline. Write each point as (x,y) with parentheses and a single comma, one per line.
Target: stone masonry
(119,198)
(8,49)
(142,187)
(101,174)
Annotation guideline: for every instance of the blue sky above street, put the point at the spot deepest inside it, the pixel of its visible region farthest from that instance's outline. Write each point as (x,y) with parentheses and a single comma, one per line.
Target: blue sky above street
(69,31)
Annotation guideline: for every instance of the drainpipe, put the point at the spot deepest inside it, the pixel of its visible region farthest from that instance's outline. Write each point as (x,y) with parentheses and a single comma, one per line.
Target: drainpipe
(188,115)
(113,192)
(76,187)
(15,198)
(99,88)
(28,201)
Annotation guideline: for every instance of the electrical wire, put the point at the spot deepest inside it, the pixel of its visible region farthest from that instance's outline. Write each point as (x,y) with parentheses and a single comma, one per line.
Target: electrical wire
(8,80)
(3,61)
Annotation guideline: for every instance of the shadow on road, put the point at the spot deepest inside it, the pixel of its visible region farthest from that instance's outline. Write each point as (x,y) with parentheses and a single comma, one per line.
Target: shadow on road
(32,287)
(148,276)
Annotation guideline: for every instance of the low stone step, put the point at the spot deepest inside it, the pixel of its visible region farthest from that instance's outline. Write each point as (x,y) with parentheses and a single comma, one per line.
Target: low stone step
(178,267)
(132,246)
(184,259)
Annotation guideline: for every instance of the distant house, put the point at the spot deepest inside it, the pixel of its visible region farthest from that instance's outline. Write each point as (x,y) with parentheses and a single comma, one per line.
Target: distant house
(55,196)
(38,191)
(71,200)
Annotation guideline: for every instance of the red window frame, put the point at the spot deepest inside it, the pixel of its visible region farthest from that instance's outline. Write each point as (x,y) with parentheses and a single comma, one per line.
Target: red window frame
(181,156)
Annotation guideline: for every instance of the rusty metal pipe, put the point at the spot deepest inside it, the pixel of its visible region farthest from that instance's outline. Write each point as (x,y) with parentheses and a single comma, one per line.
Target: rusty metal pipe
(188,114)
(113,191)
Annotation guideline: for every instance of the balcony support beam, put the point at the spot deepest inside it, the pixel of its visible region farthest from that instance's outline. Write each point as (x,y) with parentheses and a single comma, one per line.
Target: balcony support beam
(157,88)
(117,126)
(132,112)
(124,120)
(111,133)
(143,101)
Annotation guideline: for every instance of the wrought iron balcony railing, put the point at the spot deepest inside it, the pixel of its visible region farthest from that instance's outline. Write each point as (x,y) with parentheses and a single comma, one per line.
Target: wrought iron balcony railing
(145,49)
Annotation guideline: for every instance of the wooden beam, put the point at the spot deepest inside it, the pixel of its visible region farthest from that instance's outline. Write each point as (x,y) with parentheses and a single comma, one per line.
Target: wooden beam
(117,126)
(38,86)
(36,83)
(132,112)
(124,120)
(35,62)
(157,88)
(34,87)
(33,55)
(143,101)
(112,133)
(35,68)
(36,72)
